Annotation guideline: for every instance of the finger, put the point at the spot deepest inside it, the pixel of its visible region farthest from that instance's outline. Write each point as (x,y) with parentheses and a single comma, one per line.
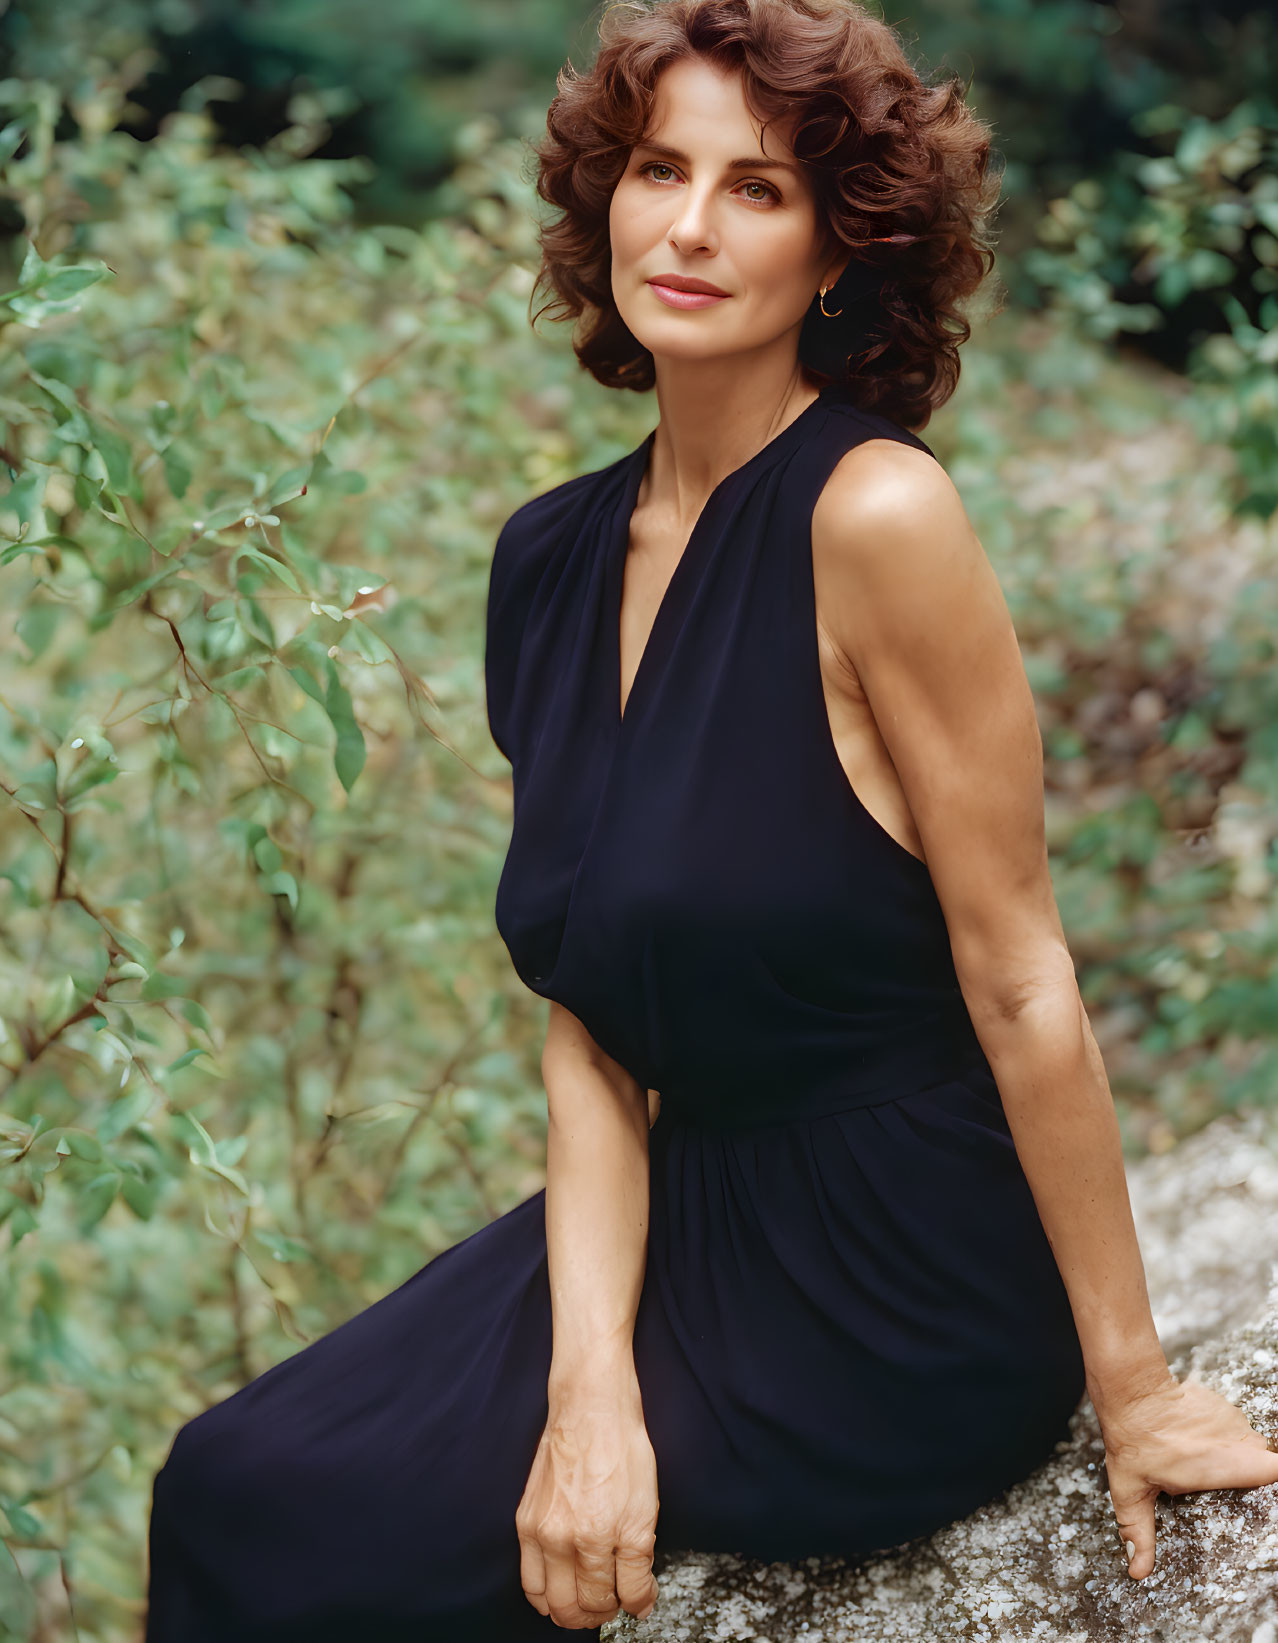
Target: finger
(1240,1461)
(597,1580)
(532,1571)
(636,1584)
(561,1580)
(1245,1466)
(1134,1510)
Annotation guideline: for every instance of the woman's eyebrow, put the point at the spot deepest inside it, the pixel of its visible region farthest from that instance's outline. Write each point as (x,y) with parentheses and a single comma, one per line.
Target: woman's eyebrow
(755,162)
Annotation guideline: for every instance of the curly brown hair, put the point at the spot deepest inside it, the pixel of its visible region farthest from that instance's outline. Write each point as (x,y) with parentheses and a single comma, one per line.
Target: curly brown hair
(888,154)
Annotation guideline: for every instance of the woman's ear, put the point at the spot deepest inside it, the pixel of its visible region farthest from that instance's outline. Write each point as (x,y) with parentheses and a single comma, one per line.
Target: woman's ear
(834,269)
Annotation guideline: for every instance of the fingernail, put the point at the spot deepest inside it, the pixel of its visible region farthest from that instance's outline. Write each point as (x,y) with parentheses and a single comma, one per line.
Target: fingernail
(1131,1549)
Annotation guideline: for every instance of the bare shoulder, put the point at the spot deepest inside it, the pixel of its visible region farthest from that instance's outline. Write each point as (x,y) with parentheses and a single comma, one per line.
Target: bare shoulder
(884,489)
(888,524)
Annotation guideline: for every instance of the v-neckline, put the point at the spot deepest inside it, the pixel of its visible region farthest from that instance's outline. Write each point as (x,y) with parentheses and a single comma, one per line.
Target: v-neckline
(637,467)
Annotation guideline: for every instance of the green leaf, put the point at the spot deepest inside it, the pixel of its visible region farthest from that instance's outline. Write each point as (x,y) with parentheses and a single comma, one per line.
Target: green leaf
(287,486)
(18,1610)
(281,572)
(186,1058)
(15,550)
(267,854)
(123,1114)
(229,514)
(36,626)
(11,138)
(96,1199)
(26,497)
(231,1149)
(202,1151)
(281,1247)
(177,471)
(85,784)
(308,684)
(65,283)
(26,1525)
(350,751)
(241,676)
(33,268)
(192,1010)
(158,985)
(74,424)
(140,1196)
(197,1140)
(281,884)
(113,448)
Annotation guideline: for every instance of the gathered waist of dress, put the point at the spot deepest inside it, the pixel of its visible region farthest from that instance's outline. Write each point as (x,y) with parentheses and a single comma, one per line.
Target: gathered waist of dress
(937,1050)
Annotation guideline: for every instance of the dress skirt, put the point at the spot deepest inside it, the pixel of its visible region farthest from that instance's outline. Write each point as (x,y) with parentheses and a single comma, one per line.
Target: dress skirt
(852,1331)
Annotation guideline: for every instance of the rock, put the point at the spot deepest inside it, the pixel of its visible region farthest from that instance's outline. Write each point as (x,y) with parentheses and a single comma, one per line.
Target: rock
(1044,1561)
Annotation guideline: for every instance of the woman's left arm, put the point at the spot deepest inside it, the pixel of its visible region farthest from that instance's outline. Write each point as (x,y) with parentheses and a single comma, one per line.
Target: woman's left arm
(911,604)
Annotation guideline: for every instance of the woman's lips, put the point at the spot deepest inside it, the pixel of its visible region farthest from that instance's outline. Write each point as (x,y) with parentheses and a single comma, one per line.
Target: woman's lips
(683,299)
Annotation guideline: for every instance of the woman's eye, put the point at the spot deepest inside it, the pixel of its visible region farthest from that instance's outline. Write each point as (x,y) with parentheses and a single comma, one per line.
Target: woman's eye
(661,165)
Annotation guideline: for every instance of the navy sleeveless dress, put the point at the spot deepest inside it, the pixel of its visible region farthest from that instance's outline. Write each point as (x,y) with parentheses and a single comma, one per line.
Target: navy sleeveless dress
(852,1329)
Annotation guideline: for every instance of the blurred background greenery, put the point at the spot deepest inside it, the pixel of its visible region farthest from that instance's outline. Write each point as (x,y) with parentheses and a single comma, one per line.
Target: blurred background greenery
(267,392)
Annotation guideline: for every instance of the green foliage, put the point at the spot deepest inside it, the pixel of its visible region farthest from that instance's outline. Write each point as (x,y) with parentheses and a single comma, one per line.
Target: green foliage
(1067,83)
(397,92)
(1199,223)
(262,1051)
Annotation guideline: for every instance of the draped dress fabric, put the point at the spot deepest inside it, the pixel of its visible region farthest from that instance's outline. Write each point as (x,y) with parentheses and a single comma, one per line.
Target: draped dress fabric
(852,1329)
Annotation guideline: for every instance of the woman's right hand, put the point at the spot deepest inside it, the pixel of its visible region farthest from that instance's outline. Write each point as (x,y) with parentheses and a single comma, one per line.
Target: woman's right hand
(588,1518)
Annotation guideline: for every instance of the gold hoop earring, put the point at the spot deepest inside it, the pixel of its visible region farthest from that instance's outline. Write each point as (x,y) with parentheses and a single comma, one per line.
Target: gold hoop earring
(881,239)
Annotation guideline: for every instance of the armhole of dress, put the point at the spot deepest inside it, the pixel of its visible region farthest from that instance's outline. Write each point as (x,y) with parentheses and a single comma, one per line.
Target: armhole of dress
(499,671)
(814,684)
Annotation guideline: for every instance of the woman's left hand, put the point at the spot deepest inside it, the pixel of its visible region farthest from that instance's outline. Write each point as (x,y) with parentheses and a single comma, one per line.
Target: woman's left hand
(1180,1437)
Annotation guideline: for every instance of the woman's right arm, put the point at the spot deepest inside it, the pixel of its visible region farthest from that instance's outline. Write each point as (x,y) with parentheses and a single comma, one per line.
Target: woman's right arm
(587,1520)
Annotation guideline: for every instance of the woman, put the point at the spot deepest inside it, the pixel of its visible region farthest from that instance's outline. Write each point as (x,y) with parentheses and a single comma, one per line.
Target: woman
(778,866)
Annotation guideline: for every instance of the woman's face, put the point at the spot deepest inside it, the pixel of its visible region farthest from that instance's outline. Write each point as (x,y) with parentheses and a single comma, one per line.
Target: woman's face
(683,207)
